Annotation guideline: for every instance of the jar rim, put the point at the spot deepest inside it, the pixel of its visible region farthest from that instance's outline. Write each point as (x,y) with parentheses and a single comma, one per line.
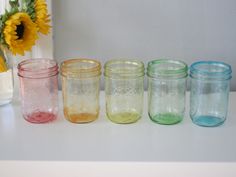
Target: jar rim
(167,68)
(124,68)
(80,66)
(37,68)
(22,66)
(216,69)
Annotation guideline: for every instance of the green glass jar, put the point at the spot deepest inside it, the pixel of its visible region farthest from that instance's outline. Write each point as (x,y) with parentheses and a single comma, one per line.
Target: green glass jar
(166,90)
(124,90)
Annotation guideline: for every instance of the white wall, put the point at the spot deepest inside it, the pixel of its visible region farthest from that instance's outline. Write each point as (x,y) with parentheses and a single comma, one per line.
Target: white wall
(189,30)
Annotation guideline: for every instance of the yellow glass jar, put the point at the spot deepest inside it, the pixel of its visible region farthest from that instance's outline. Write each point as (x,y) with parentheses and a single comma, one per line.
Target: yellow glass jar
(124,90)
(80,88)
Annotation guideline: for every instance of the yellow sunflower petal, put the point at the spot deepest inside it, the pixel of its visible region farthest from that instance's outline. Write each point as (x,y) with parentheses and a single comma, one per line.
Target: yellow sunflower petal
(3,66)
(42,17)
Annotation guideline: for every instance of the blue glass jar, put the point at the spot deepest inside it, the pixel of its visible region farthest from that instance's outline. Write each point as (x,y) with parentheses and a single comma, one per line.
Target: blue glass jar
(210,86)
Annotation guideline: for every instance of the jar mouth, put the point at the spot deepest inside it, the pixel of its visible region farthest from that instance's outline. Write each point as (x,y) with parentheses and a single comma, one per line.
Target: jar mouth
(124,68)
(37,68)
(81,67)
(167,68)
(211,69)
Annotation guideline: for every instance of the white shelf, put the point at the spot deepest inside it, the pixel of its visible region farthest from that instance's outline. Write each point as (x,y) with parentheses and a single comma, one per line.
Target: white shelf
(105,143)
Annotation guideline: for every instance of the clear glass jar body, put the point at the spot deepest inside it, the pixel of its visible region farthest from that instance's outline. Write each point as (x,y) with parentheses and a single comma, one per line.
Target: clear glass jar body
(210,86)
(39,89)
(166,91)
(81,88)
(124,90)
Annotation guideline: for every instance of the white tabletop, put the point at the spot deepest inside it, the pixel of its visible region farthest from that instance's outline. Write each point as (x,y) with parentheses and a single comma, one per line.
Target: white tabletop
(103,141)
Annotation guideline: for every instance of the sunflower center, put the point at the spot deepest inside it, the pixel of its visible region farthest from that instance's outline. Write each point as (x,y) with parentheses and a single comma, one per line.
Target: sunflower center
(20,30)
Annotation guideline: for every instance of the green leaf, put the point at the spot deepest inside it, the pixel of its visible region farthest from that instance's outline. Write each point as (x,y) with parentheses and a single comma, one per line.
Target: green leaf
(14,3)
(28,7)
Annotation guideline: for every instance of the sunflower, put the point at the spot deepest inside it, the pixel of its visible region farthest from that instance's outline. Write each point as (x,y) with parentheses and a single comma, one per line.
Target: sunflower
(20,33)
(42,16)
(3,66)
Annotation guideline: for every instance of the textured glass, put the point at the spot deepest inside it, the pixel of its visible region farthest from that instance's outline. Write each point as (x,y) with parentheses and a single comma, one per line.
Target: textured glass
(166,91)
(210,85)
(124,90)
(81,87)
(39,89)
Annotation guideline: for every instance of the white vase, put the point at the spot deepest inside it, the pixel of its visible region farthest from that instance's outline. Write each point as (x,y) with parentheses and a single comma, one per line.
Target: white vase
(6,87)
(13,61)
(6,83)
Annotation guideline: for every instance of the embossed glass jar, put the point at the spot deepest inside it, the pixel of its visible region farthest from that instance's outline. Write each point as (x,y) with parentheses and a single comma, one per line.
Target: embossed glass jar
(81,88)
(124,90)
(166,90)
(210,86)
(39,89)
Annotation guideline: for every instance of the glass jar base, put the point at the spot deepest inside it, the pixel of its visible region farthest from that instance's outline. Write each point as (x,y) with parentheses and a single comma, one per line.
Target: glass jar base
(124,117)
(40,117)
(81,117)
(166,118)
(207,121)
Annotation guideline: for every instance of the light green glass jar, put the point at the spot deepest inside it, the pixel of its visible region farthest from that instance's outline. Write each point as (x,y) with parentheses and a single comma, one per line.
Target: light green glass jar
(166,90)
(124,90)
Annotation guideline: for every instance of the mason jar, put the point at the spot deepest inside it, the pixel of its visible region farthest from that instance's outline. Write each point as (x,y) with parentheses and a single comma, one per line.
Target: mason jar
(166,90)
(81,88)
(124,90)
(210,86)
(39,89)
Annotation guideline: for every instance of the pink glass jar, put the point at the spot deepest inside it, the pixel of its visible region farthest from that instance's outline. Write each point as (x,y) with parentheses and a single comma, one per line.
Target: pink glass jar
(39,89)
